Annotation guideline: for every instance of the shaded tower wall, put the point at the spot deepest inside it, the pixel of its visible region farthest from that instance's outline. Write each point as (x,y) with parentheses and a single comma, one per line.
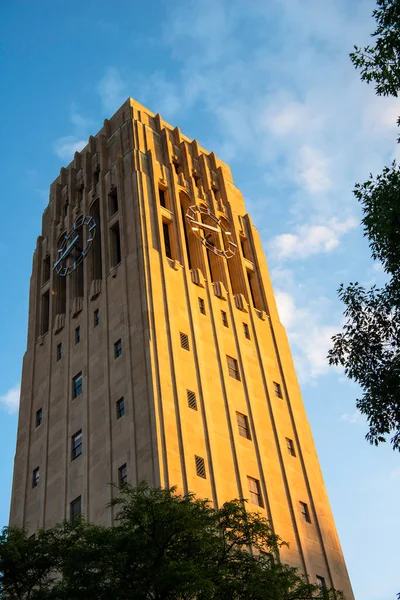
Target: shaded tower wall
(211,399)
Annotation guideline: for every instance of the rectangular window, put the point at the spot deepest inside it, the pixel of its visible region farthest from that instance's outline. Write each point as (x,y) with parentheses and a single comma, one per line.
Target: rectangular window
(59,351)
(122,475)
(162,196)
(224,318)
(191,398)
(320,581)
(115,245)
(246,331)
(255,492)
(202,306)
(243,424)
(35,477)
(76,445)
(290,447)
(75,509)
(77,385)
(39,417)
(120,404)
(305,512)
(184,341)
(112,202)
(233,367)
(117,349)
(278,390)
(96,178)
(200,467)
(77,335)
(96,317)
(167,241)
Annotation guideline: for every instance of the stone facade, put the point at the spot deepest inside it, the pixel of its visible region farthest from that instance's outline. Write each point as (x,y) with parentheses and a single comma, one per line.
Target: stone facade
(210,397)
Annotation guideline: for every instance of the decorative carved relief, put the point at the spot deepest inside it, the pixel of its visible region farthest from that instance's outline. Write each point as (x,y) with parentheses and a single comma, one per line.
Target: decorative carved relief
(240,302)
(219,290)
(77,306)
(197,277)
(59,322)
(95,288)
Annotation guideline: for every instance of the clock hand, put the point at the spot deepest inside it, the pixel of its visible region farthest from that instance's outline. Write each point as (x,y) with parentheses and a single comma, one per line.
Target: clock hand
(208,227)
(67,251)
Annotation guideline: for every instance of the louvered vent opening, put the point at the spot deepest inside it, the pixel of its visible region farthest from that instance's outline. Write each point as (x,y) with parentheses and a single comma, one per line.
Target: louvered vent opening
(184,341)
(192,402)
(200,467)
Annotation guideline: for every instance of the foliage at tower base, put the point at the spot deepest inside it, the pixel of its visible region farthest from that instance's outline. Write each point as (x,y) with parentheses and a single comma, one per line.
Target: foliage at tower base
(163,547)
(369,346)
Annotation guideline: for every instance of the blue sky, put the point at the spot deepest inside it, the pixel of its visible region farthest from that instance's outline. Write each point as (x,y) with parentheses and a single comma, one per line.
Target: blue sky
(267,85)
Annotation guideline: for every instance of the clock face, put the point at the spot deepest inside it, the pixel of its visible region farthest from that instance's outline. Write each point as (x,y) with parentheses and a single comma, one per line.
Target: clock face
(209,229)
(72,251)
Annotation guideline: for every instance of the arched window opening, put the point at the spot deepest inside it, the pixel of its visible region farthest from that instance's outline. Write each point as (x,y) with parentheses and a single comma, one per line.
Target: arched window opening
(194,250)
(254,290)
(112,202)
(77,283)
(95,251)
(45,312)
(115,245)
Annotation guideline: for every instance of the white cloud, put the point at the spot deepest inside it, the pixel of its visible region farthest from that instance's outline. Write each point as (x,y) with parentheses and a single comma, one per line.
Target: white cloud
(65,147)
(395,474)
(311,239)
(309,334)
(112,90)
(353,418)
(313,172)
(10,400)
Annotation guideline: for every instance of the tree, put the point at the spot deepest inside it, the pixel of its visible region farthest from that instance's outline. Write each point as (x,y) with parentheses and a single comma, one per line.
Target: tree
(369,346)
(163,547)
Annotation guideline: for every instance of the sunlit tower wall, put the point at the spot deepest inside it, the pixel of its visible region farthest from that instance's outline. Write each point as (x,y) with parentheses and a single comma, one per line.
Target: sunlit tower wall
(158,358)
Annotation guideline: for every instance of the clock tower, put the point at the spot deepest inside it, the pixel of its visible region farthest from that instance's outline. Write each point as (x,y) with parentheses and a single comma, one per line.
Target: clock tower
(155,350)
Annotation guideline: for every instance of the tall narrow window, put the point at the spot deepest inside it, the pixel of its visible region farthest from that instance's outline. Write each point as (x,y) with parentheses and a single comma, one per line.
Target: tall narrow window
(77,335)
(39,417)
(115,245)
(120,405)
(75,509)
(200,467)
(305,512)
(320,581)
(243,425)
(202,306)
(246,331)
(167,241)
(278,390)
(76,445)
(96,317)
(45,313)
(162,194)
(77,385)
(185,233)
(112,202)
(233,367)
(122,475)
(224,318)
(35,477)
(290,447)
(59,351)
(117,348)
(255,492)
(46,269)
(96,178)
